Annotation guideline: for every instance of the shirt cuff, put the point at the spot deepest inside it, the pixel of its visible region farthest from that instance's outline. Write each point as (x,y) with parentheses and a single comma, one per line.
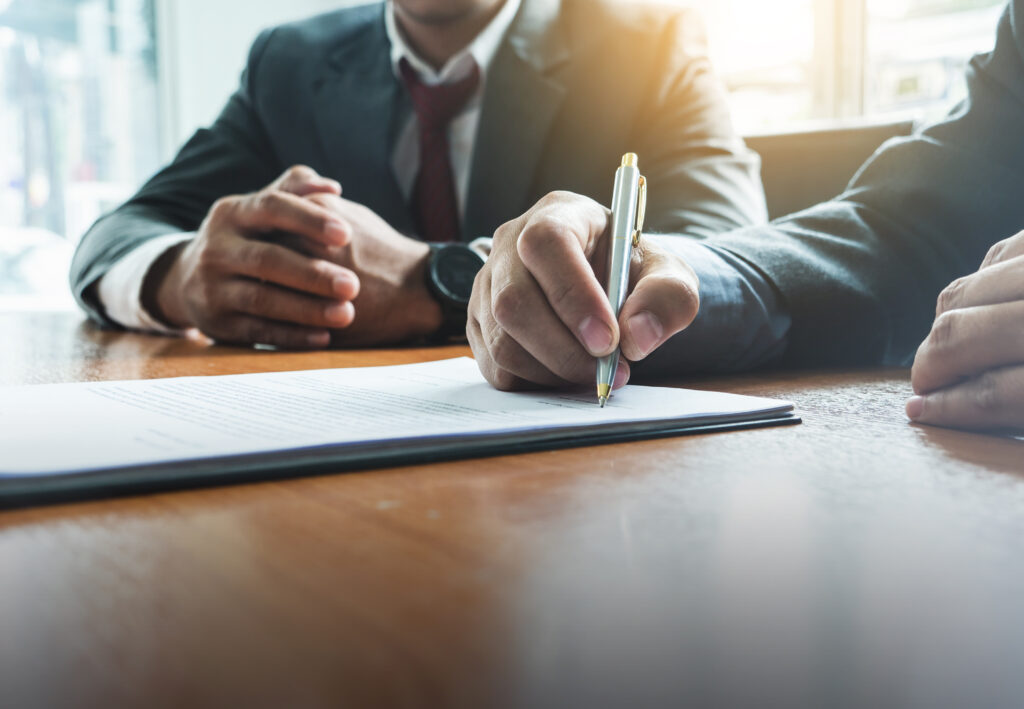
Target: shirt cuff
(120,288)
(742,322)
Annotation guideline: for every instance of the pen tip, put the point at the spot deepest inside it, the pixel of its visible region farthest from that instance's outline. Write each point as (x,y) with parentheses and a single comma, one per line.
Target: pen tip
(602,400)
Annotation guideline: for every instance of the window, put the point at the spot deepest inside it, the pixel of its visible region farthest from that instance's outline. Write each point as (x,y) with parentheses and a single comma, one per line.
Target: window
(793,62)
(916,50)
(80,126)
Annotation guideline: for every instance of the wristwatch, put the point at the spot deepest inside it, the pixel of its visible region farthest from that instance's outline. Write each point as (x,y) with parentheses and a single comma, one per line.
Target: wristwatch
(450,274)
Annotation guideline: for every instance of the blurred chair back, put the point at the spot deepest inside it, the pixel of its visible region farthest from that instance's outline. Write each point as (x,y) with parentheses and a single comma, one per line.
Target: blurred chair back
(803,169)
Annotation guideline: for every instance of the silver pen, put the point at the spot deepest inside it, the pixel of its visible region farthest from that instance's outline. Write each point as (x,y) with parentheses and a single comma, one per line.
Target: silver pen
(629,202)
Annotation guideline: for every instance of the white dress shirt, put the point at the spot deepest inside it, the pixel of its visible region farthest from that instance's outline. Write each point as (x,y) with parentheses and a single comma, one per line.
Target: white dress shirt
(120,289)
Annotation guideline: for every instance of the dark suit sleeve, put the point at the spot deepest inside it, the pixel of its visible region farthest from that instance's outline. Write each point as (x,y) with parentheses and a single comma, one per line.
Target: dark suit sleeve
(859,276)
(233,156)
(703,179)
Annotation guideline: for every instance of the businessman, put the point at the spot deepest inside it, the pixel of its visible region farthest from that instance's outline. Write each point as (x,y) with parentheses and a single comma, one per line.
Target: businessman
(853,281)
(338,196)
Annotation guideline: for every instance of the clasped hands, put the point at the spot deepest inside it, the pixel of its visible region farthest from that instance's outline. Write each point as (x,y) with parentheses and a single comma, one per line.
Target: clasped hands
(296,266)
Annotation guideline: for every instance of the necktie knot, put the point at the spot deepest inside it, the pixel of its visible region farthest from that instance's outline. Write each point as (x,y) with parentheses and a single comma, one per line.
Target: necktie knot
(436,106)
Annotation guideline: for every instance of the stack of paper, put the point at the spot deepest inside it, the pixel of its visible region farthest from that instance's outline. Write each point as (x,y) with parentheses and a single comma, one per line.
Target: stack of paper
(110,435)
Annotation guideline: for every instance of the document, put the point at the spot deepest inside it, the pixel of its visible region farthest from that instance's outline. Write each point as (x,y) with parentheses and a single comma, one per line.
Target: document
(63,436)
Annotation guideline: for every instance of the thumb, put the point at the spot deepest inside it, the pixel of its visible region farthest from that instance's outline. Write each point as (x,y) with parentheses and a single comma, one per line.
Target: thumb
(303,181)
(664,301)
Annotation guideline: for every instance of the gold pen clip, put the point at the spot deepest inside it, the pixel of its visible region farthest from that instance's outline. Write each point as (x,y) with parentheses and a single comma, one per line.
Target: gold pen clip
(641,210)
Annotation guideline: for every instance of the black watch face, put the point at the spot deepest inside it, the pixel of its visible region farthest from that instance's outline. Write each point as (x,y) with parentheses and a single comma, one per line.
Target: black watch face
(454,269)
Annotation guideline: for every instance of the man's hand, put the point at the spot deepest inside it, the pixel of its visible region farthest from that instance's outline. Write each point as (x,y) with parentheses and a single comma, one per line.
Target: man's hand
(394,304)
(539,314)
(969,372)
(235,286)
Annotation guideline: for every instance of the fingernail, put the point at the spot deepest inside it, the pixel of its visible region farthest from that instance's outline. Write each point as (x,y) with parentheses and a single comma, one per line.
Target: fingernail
(621,377)
(334,185)
(319,339)
(339,312)
(646,331)
(596,336)
(915,408)
(336,228)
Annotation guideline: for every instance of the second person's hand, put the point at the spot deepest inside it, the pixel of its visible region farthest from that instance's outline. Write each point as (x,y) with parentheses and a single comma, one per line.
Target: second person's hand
(969,372)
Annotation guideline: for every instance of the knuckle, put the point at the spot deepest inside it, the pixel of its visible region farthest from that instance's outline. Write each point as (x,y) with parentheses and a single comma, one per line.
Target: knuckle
(945,330)
(996,252)
(555,228)
(506,234)
(672,287)
(542,236)
(269,201)
(300,172)
(504,350)
(222,208)
(687,292)
(951,296)
(208,259)
(530,239)
(505,306)
(555,197)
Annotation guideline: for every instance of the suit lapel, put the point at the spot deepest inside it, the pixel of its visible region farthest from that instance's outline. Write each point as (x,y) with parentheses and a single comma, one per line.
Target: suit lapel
(357,102)
(522,97)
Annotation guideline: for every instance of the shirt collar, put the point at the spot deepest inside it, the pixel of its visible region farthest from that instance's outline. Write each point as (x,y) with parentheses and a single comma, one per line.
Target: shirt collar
(481,50)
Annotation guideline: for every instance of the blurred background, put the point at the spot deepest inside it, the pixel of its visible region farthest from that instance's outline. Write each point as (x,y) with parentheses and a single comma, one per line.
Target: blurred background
(96,94)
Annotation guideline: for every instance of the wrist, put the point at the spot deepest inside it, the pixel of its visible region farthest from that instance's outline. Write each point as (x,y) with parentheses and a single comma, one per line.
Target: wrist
(163,289)
(423,309)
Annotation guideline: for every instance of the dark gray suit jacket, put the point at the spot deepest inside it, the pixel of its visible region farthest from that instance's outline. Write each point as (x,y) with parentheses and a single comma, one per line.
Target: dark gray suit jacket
(576,84)
(860,275)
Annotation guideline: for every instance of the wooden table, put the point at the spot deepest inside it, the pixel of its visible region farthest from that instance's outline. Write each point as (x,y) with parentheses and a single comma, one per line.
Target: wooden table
(854,560)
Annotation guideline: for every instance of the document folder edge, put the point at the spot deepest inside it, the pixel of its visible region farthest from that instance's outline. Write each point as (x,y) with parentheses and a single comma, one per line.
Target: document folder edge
(53,489)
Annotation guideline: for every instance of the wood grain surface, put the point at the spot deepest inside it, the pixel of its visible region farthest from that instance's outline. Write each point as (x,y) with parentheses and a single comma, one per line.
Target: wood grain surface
(854,560)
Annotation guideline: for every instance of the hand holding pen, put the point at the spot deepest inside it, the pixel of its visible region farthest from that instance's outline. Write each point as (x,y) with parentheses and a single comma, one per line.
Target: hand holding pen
(540,313)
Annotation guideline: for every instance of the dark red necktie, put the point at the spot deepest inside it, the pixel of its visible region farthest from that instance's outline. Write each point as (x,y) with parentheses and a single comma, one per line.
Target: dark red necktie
(434,204)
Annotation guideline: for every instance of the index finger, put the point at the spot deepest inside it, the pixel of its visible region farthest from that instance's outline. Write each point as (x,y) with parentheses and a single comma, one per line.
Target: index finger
(275,210)
(555,246)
